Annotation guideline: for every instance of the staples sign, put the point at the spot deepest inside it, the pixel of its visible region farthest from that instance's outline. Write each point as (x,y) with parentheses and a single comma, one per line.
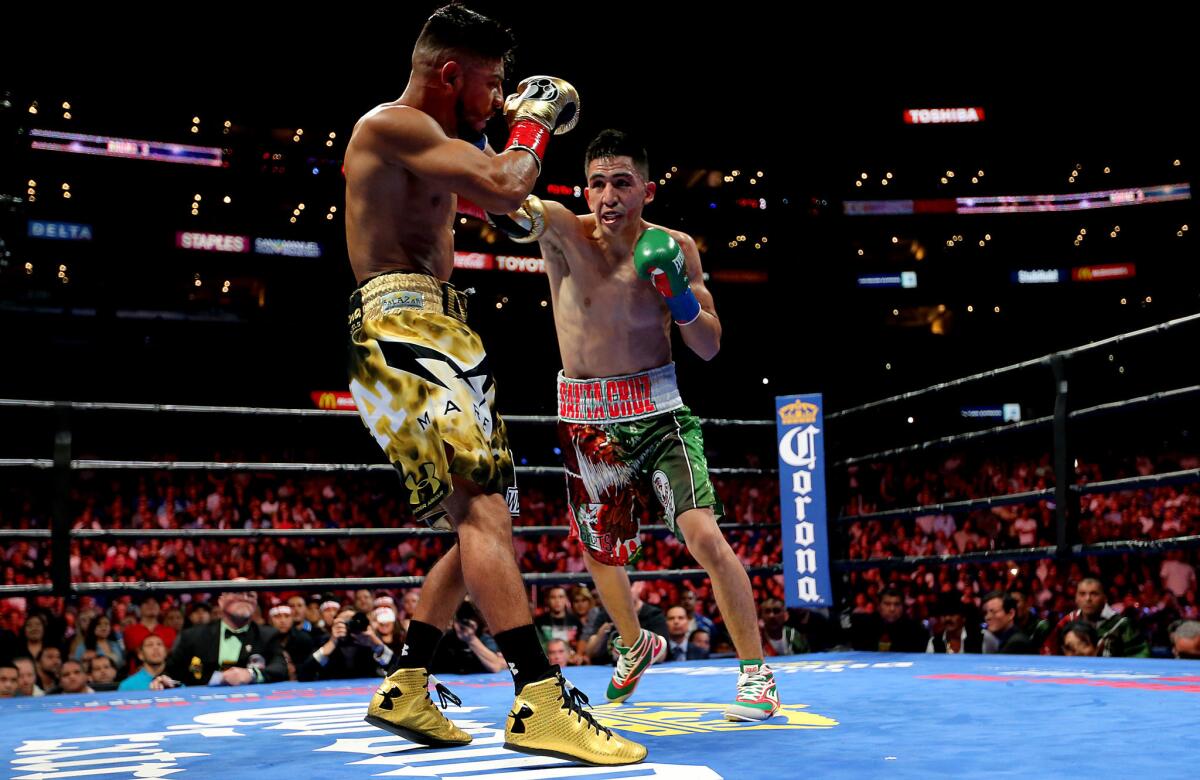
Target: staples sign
(212,242)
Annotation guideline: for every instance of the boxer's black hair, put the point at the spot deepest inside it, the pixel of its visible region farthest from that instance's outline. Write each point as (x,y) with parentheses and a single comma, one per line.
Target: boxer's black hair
(614,143)
(454,28)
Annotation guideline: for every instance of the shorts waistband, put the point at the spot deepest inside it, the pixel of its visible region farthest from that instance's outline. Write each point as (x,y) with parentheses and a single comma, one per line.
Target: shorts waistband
(618,398)
(397,291)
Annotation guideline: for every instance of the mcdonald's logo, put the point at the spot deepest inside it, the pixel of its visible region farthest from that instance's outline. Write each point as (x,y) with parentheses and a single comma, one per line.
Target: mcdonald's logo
(333,399)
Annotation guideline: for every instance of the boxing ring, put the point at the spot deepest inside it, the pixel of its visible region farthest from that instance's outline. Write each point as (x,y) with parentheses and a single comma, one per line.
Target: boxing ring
(845,714)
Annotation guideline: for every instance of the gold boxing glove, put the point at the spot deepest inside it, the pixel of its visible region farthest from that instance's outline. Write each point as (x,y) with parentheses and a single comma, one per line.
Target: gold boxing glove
(525,225)
(543,105)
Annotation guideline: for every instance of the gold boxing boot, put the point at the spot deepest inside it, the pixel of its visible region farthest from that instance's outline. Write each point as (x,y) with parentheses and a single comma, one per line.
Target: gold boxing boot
(548,719)
(402,706)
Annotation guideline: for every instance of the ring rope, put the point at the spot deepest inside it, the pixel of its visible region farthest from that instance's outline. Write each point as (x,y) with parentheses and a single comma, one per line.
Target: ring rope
(1039,361)
(339,583)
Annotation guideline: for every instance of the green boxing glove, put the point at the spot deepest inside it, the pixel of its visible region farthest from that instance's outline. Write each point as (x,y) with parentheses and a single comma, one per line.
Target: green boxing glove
(659,258)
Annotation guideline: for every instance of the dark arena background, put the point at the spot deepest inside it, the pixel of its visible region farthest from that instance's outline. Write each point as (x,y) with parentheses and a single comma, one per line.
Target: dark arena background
(977,246)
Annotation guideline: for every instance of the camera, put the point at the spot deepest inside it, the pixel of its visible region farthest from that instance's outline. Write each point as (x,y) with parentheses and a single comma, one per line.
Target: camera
(357,624)
(466,613)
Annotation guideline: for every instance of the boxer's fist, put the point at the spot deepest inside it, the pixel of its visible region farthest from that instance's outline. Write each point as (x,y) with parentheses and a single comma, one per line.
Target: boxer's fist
(542,105)
(659,258)
(552,103)
(525,225)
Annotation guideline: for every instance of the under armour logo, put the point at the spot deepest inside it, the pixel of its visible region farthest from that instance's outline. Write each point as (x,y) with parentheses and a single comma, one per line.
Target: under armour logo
(512,667)
(404,650)
(518,726)
(393,693)
(426,486)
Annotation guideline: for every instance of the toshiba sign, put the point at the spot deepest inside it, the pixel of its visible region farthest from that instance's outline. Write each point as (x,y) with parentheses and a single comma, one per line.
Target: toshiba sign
(943,116)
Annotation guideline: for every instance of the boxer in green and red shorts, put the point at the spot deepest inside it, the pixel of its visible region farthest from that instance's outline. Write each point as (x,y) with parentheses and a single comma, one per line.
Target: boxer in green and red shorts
(625,457)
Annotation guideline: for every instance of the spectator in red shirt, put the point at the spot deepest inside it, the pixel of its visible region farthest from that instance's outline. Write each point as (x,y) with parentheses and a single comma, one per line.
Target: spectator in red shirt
(147,624)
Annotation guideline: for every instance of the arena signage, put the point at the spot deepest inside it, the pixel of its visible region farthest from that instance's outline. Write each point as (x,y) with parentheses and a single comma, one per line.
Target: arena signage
(333,399)
(474,261)
(529,265)
(479,261)
(1023,204)
(907,280)
(212,242)
(1037,276)
(943,116)
(1004,412)
(286,248)
(64,231)
(1103,273)
(129,148)
(802,500)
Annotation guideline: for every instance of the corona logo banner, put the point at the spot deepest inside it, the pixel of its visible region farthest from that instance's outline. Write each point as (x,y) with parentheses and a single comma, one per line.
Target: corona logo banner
(798,424)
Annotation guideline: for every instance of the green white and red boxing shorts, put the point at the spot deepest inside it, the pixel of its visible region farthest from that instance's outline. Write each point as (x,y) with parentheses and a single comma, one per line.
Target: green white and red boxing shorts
(631,449)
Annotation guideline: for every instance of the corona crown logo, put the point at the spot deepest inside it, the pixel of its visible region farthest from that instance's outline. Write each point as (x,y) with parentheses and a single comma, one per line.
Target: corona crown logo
(799,413)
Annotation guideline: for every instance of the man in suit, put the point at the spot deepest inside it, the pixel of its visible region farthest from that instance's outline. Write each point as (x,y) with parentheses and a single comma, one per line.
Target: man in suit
(678,647)
(230,651)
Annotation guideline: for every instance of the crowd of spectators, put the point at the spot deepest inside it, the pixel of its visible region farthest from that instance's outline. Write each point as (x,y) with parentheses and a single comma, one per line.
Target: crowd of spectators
(1113,605)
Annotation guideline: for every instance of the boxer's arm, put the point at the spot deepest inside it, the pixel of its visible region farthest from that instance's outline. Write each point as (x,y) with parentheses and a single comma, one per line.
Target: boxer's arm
(560,222)
(498,183)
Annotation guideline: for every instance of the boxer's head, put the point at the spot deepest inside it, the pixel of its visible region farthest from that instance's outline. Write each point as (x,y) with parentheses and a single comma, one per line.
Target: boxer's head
(462,55)
(618,180)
